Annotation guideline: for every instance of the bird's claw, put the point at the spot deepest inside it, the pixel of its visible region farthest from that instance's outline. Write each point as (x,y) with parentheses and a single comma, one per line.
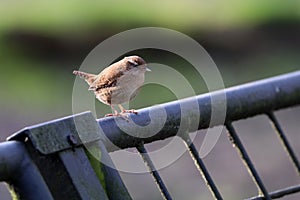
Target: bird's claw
(123,114)
(130,111)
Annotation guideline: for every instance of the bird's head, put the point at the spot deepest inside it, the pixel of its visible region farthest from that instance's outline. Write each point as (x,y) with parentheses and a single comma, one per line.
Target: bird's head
(136,63)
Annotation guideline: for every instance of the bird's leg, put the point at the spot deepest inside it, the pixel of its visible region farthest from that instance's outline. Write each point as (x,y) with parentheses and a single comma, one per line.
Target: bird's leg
(116,114)
(112,114)
(123,110)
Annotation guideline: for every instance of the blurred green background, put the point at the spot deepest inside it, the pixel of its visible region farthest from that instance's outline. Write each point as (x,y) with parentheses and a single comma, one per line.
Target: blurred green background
(42,42)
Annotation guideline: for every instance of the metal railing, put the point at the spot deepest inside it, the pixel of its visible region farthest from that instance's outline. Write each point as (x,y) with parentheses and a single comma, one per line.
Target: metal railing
(260,97)
(256,98)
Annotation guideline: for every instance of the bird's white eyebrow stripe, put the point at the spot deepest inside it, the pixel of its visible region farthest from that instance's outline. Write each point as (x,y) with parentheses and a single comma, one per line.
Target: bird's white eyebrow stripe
(133,62)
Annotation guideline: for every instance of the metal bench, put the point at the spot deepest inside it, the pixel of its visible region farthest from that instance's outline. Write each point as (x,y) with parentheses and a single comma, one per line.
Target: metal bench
(50,160)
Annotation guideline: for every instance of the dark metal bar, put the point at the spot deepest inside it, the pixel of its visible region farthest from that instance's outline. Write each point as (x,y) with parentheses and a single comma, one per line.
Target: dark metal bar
(17,168)
(247,161)
(82,174)
(201,167)
(284,140)
(241,102)
(106,171)
(163,189)
(280,193)
(11,155)
(56,150)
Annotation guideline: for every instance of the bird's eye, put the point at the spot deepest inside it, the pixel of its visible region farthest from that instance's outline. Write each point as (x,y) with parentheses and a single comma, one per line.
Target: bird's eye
(132,62)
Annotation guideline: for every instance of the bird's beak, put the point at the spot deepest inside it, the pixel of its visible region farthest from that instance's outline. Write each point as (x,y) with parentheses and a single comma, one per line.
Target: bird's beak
(148,70)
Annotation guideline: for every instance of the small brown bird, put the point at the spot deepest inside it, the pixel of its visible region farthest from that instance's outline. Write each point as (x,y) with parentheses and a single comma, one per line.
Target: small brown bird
(119,83)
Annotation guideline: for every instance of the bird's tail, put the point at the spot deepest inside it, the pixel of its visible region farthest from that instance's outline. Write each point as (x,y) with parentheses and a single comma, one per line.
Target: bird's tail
(89,78)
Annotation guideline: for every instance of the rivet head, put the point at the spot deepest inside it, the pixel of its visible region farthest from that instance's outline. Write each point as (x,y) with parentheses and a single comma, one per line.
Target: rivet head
(72,139)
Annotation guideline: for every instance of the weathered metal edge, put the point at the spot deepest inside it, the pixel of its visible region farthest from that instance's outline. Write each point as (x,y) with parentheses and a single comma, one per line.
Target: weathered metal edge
(60,134)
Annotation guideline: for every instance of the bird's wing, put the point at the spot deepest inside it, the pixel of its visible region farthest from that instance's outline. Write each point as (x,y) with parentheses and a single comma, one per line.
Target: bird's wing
(107,78)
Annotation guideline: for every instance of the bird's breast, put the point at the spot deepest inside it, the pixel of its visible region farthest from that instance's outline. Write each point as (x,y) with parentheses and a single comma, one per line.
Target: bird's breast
(133,79)
(125,89)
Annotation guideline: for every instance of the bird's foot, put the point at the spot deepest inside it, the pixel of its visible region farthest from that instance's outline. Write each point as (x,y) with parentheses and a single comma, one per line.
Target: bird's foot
(121,115)
(111,115)
(124,114)
(130,111)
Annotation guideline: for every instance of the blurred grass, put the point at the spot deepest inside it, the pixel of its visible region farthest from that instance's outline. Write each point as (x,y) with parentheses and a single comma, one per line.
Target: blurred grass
(57,17)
